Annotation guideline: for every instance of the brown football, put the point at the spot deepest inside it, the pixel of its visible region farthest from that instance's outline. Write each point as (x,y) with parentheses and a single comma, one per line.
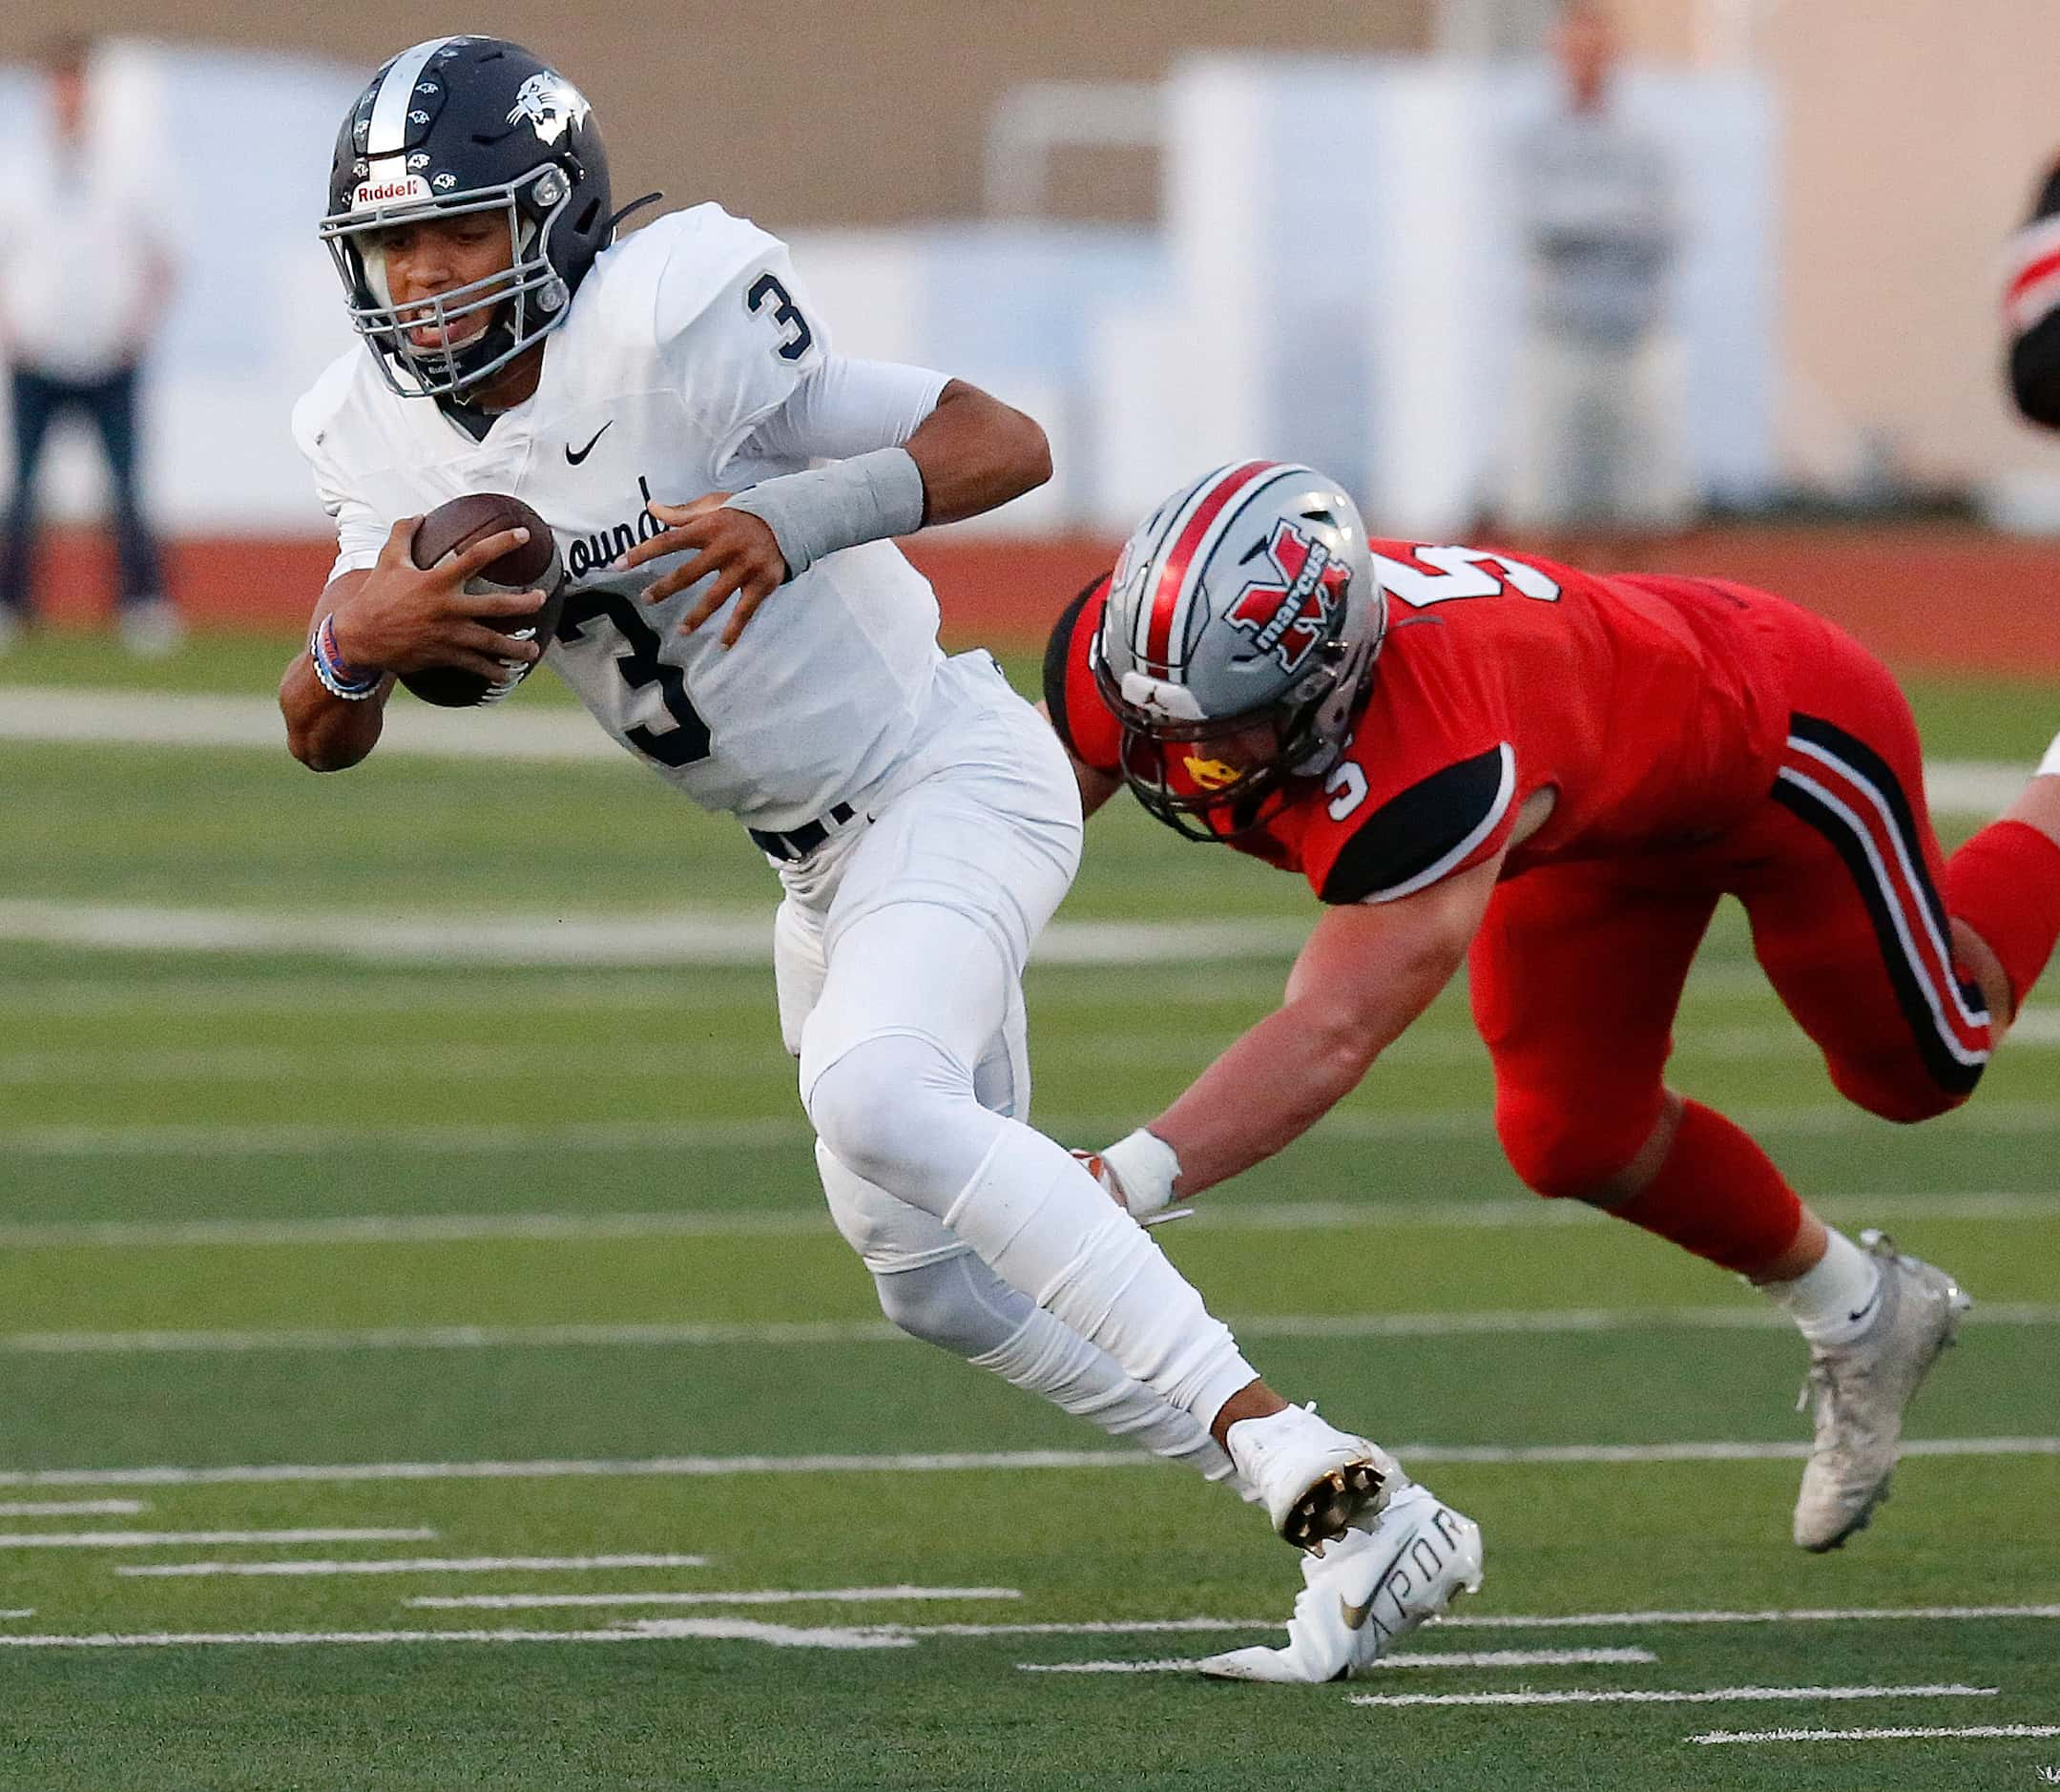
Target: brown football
(534,566)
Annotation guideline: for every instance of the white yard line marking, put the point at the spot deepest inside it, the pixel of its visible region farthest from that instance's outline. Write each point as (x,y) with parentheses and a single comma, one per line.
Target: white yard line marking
(1450,1658)
(1644,1453)
(1707,1696)
(1366,1214)
(412,1564)
(939,1462)
(448,1338)
(20,1611)
(287,1139)
(538,734)
(105,717)
(762,1595)
(154,1539)
(714,1060)
(1579,1620)
(1824,1120)
(262,991)
(426,1229)
(650,1630)
(816,1333)
(323,1475)
(72,1508)
(1806,1614)
(686,937)
(1928,1733)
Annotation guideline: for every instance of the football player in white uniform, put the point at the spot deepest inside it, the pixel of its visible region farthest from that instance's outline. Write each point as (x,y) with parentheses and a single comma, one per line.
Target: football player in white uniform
(670,405)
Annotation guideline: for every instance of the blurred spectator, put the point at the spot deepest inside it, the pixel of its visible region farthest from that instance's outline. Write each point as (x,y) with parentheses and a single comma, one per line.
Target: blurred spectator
(2032,307)
(1597,424)
(85,269)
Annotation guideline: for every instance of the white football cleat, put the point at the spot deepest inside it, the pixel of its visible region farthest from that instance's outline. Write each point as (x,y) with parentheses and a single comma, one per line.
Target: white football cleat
(1313,1479)
(1367,1591)
(1860,1389)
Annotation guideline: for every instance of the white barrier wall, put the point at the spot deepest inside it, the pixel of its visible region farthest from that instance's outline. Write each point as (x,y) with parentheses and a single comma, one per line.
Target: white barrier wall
(1340,235)
(1336,281)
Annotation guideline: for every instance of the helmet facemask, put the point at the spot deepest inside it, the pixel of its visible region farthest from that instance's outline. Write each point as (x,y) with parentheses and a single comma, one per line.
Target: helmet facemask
(525,301)
(1211,779)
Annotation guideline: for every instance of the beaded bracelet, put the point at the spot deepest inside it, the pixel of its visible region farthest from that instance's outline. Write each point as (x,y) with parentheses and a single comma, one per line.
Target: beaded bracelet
(337,679)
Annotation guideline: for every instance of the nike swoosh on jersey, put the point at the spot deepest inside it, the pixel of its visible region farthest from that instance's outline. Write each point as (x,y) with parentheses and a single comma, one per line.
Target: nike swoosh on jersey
(573,456)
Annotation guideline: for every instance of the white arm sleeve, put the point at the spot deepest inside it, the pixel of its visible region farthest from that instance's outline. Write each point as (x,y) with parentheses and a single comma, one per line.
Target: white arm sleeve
(842,407)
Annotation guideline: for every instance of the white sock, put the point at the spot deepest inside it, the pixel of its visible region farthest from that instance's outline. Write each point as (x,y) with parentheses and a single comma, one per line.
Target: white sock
(959,1304)
(2049,766)
(1046,1226)
(1834,1302)
(1045,1358)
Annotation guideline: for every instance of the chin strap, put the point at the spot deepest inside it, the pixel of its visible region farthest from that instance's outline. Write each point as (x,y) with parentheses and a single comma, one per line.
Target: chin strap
(633,206)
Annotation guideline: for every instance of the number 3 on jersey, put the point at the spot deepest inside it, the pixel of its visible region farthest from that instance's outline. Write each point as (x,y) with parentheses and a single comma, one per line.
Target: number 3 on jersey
(1441,575)
(765,290)
(687,743)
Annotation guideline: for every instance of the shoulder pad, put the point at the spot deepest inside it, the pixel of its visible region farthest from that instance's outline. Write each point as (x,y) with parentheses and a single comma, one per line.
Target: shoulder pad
(692,256)
(319,405)
(1426,831)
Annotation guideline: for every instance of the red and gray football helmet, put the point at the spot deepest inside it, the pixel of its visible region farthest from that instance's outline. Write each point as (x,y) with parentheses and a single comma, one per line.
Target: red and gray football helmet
(1239,634)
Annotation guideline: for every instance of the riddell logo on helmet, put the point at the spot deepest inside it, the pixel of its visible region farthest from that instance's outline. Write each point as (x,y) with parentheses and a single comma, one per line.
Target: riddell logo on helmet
(391,191)
(1289,618)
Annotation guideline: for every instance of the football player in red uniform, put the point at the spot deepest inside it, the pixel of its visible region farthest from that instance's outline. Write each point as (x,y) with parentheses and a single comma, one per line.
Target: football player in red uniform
(1553,777)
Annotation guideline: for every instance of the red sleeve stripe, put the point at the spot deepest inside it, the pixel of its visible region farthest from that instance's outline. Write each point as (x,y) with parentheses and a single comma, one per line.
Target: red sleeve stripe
(2031,274)
(1192,528)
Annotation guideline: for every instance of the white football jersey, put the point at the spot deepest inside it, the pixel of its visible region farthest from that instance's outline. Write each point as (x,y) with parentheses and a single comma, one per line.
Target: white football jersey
(680,341)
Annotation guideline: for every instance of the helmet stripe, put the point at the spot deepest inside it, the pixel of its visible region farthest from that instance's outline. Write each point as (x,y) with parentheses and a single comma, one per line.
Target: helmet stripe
(388,134)
(1172,589)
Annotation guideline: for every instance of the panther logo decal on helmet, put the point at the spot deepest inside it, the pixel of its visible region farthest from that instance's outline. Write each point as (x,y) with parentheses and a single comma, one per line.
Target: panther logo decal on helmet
(550,104)
(1291,617)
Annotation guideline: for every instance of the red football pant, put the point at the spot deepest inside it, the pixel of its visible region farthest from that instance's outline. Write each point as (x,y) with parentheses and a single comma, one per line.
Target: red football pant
(1579,969)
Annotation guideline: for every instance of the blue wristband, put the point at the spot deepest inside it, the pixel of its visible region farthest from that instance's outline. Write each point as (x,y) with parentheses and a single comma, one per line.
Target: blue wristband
(337,679)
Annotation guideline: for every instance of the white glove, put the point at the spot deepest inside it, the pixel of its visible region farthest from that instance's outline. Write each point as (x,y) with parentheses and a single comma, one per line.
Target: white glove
(1139,1172)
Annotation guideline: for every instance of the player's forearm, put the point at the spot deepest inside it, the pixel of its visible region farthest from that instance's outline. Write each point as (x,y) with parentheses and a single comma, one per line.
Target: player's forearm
(1267,1089)
(326,733)
(976,453)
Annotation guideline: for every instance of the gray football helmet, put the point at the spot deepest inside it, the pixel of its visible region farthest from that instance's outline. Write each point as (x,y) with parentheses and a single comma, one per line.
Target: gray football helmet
(1237,640)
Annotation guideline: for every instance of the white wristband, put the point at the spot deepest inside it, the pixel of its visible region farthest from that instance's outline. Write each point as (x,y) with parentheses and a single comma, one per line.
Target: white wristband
(1146,1167)
(866,498)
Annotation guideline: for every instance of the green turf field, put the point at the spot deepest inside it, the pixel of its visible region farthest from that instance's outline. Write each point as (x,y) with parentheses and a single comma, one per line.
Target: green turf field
(492,1258)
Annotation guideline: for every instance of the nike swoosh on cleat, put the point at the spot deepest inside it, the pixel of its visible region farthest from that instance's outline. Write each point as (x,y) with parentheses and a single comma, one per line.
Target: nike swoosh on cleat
(1873,1301)
(572,456)
(1356,1615)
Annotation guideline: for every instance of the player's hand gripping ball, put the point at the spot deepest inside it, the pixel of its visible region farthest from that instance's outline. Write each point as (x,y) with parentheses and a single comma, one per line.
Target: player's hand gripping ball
(534,566)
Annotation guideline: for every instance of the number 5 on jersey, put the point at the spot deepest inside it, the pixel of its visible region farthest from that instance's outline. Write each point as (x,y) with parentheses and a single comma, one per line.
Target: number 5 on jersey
(1439,574)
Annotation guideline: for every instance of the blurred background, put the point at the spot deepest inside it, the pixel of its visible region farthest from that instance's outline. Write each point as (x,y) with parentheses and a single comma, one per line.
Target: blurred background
(413,1154)
(1384,243)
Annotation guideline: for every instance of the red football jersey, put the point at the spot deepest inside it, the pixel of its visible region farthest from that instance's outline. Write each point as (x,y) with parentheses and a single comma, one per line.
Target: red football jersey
(1655,708)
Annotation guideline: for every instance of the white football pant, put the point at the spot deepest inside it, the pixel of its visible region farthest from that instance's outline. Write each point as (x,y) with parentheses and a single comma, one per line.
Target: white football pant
(899,954)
